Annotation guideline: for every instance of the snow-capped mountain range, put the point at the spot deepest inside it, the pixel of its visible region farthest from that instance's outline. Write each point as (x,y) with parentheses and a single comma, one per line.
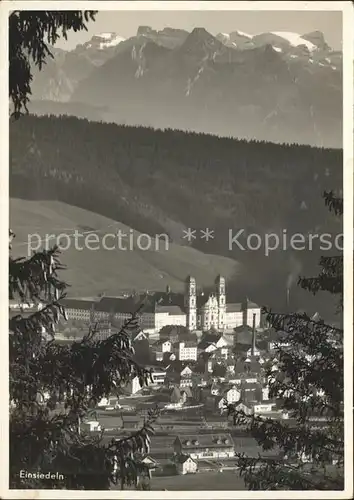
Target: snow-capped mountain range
(104,40)
(312,41)
(278,86)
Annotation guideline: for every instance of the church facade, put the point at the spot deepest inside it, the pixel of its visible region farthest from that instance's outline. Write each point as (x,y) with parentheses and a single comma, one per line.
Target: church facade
(212,311)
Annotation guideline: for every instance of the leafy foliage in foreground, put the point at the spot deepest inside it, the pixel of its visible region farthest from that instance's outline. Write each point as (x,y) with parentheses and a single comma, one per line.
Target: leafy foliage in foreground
(53,388)
(30,33)
(308,385)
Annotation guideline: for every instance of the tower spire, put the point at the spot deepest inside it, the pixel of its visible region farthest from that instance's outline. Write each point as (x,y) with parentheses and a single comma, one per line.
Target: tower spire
(221,298)
(191,303)
(254,335)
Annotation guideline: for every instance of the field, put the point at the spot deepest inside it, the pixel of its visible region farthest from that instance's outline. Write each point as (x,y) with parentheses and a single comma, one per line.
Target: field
(90,272)
(225,481)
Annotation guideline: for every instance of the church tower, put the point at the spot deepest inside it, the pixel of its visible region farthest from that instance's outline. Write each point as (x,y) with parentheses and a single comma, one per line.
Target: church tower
(221,297)
(190,302)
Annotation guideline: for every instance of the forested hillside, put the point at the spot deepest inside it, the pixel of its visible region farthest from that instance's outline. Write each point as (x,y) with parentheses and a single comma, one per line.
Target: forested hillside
(157,181)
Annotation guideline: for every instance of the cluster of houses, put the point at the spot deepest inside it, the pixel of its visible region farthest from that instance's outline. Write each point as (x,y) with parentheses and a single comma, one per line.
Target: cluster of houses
(196,362)
(211,371)
(192,453)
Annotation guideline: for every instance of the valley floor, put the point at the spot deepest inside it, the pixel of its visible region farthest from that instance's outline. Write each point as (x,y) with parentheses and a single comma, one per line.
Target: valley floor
(222,481)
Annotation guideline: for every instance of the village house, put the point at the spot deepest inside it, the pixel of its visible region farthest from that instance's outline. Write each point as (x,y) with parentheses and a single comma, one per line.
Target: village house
(150,463)
(205,446)
(186,377)
(248,378)
(255,408)
(138,336)
(111,402)
(233,394)
(91,426)
(133,386)
(213,341)
(161,347)
(180,396)
(158,379)
(158,376)
(185,464)
(178,373)
(166,345)
(221,404)
(187,351)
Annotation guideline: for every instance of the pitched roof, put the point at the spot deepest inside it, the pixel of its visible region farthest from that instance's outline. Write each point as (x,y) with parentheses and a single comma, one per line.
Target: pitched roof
(149,461)
(169,309)
(181,459)
(193,441)
(187,343)
(251,386)
(236,307)
(78,304)
(185,368)
(138,334)
(232,388)
(167,299)
(117,305)
(160,342)
(208,339)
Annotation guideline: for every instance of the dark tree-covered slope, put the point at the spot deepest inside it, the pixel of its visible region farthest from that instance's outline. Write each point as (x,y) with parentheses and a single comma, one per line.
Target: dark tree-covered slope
(153,181)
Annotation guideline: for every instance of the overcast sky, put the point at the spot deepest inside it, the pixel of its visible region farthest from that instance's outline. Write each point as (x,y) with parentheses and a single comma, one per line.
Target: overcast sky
(126,23)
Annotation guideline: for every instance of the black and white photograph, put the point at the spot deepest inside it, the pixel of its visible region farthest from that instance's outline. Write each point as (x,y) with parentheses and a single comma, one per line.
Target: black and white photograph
(179,184)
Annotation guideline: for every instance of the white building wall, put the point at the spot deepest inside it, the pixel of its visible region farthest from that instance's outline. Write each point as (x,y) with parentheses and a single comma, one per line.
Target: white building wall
(79,314)
(135,385)
(161,320)
(148,320)
(186,382)
(188,352)
(178,319)
(265,393)
(228,453)
(190,303)
(165,319)
(233,319)
(159,377)
(189,467)
(210,314)
(250,313)
(263,408)
(166,346)
(233,395)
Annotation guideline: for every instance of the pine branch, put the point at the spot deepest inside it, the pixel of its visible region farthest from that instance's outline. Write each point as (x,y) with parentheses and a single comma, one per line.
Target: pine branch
(30,33)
